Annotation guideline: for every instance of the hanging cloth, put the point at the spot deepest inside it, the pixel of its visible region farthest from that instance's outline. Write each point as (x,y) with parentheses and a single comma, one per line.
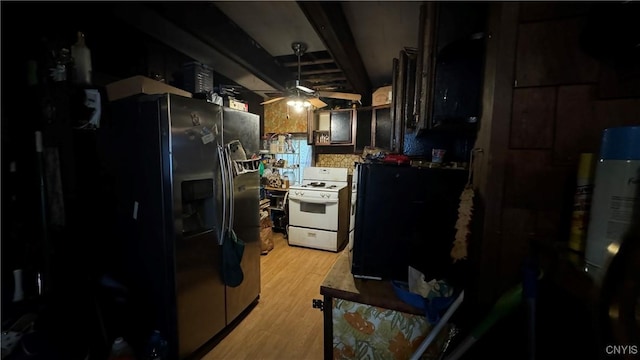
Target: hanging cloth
(232,251)
(465,214)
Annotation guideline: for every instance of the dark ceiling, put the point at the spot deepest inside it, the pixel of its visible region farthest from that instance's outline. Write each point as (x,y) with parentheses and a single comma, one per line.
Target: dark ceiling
(351,44)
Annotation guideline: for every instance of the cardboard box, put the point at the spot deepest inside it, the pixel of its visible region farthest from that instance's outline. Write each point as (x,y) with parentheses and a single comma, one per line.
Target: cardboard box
(382,96)
(140,85)
(237,104)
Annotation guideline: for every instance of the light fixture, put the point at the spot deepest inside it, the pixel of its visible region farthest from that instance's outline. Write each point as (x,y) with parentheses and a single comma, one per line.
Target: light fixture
(298,102)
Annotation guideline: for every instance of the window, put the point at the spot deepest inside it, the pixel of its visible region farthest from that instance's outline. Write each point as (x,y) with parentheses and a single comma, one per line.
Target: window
(306,154)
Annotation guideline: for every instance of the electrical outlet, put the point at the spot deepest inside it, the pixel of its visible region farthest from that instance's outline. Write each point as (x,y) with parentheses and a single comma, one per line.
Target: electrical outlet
(318,304)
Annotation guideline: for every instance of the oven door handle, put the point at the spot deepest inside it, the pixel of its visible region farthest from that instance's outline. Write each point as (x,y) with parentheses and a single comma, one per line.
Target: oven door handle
(314,201)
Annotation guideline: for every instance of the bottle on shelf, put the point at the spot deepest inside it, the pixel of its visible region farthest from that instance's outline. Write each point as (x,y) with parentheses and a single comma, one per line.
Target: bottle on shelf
(156,347)
(82,61)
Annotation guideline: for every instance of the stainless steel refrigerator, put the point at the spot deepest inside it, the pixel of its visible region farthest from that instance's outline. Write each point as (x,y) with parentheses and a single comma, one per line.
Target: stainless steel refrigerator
(179,183)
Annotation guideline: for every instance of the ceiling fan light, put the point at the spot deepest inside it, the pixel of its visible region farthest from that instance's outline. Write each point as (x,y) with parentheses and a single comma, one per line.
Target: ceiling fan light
(298,104)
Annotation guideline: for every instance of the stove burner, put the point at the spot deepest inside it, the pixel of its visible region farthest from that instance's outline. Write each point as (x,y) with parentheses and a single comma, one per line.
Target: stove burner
(317,184)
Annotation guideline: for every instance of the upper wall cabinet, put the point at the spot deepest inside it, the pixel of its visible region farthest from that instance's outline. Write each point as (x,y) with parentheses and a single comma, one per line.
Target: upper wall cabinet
(450,64)
(333,127)
(404,103)
(376,128)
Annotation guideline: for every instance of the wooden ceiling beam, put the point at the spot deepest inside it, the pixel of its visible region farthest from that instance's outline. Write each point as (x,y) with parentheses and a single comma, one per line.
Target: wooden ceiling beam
(321,71)
(324,78)
(308,62)
(205,21)
(330,23)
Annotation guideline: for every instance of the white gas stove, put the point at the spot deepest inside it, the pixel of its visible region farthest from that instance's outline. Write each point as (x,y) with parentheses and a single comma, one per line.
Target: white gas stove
(319,209)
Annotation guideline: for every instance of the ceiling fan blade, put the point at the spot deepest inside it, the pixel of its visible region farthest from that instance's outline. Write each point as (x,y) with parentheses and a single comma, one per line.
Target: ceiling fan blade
(271,100)
(303,87)
(317,103)
(340,95)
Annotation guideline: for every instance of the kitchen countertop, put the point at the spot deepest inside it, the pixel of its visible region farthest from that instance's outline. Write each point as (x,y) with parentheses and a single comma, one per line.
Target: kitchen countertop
(340,283)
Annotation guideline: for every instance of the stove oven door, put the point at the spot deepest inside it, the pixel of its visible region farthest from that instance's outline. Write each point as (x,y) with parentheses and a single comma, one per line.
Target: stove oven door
(315,212)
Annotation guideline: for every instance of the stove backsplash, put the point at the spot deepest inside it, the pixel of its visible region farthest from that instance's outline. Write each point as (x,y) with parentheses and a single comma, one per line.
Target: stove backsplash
(338,160)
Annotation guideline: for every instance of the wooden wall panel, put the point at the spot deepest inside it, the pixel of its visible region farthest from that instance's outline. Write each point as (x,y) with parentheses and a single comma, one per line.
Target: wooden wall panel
(552,225)
(531,182)
(526,183)
(493,139)
(532,119)
(548,53)
(610,113)
(518,229)
(620,79)
(574,127)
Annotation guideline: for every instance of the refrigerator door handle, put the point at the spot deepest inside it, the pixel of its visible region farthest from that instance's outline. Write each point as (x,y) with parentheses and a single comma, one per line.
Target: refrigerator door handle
(223,176)
(231,187)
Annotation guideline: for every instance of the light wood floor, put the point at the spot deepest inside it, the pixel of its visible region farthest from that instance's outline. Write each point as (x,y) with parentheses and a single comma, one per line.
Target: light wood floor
(283,325)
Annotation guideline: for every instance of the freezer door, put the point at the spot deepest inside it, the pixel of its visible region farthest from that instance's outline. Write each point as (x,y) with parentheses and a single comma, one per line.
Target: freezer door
(243,126)
(200,293)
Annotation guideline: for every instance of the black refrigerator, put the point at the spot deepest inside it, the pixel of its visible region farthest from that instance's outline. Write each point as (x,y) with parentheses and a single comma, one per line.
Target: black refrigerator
(180,181)
(405,216)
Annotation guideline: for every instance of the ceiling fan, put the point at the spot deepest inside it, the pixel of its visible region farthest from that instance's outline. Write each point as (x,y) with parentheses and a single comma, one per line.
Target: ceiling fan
(300,94)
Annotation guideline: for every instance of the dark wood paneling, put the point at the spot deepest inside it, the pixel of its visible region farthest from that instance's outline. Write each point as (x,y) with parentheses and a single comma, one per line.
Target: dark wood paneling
(612,113)
(518,229)
(574,123)
(531,182)
(548,53)
(620,78)
(533,118)
(546,10)
(552,225)
(493,139)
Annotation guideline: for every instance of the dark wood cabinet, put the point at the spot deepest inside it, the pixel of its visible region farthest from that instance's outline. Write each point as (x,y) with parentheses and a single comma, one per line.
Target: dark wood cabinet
(383,129)
(450,66)
(333,128)
(363,128)
(402,110)
(340,124)
(377,128)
